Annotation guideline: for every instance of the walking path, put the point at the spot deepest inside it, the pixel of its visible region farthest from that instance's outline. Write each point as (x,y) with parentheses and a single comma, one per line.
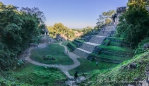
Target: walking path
(63,68)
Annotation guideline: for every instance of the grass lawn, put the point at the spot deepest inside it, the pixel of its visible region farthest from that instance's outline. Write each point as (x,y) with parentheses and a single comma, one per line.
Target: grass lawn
(81,40)
(65,43)
(73,44)
(37,76)
(88,66)
(116,48)
(114,57)
(115,43)
(52,50)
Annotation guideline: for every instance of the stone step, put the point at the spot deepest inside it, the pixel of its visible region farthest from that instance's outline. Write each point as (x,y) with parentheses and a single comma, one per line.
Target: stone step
(81,53)
(92,43)
(97,39)
(104,33)
(88,47)
(109,28)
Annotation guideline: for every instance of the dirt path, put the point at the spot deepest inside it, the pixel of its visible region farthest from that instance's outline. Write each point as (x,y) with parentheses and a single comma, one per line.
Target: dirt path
(63,68)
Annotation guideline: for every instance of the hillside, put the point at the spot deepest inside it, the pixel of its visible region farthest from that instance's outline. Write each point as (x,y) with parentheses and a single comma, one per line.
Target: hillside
(124,73)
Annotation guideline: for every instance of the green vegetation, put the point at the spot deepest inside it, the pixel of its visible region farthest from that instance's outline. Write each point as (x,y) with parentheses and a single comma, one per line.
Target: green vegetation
(116,48)
(133,29)
(140,48)
(65,43)
(113,57)
(34,75)
(59,28)
(104,18)
(121,72)
(87,30)
(51,51)
(87,66)
(80,40)
(18,28)
(133,26)
(115,43)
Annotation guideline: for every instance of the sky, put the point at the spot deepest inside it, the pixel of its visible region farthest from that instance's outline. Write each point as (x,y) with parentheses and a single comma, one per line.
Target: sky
(71,13)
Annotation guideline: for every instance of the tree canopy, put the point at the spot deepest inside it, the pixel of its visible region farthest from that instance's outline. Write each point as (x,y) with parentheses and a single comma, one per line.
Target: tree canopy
(18,28)
(59,28)
(105,18)
(134,25)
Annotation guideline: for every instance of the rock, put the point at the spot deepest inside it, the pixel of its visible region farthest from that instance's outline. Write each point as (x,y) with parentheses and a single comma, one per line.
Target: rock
(130,85)
(141,61)
(70,83)
(80,79)
(133,65)
(136,79)
(146,46)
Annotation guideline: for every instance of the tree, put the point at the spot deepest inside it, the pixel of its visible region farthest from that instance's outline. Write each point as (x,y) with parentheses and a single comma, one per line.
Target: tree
(59,28)
(105,18)
(134,25)
(34,12)
(17,30)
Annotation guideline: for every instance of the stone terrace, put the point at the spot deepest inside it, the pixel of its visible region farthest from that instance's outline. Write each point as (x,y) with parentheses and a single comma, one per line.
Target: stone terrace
(88,47)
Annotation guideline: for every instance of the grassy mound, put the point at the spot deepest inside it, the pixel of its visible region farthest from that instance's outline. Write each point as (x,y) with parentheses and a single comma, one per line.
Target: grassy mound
(51,51)
(121,73)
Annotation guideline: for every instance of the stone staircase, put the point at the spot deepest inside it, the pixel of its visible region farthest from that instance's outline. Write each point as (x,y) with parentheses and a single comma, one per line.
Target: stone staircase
(97,39)
(104,33)
(81,53)
(88,47)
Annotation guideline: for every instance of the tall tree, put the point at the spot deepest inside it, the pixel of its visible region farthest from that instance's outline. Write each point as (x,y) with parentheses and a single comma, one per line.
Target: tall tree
(134,23)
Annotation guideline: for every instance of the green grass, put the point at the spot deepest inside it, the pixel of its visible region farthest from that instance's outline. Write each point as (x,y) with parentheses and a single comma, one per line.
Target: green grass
(114,57)
(65,43)
(37,76)
(121,39)
(81,40)
(52,50)
(116,48)
(106,40)
(73,44)
(121,72)
(115,43)
(89,66)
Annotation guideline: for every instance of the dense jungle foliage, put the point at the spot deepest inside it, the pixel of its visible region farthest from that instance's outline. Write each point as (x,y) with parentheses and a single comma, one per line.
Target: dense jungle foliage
(18,28)
(134,25)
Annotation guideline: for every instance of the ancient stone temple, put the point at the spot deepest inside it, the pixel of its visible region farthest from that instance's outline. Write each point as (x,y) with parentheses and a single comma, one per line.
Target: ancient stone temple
(118,13)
